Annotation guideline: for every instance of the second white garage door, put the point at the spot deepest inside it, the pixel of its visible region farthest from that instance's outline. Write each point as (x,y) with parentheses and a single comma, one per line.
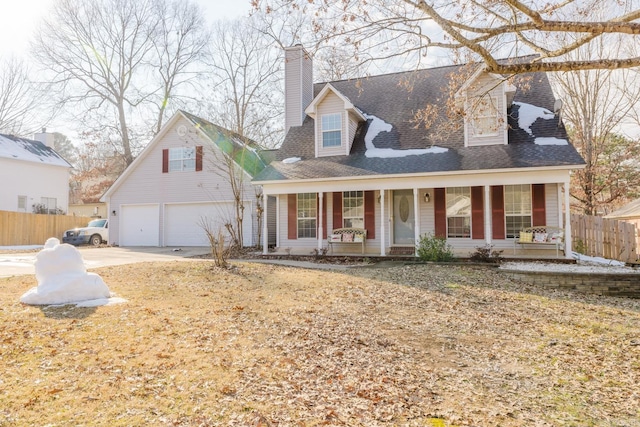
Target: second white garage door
(182,222)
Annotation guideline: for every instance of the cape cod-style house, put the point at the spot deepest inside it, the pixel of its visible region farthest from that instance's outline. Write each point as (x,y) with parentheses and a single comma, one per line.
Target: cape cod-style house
(356,156)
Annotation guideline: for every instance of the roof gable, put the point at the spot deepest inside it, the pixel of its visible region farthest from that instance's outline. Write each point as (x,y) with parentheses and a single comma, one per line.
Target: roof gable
(243,151)
(22,149)
(328,88)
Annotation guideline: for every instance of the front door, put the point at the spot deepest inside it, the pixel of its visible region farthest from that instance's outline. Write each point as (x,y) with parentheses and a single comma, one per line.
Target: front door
(403,218)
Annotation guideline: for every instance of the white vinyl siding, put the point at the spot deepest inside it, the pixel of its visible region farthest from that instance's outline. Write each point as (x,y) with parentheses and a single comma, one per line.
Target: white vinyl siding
(330,105)
(147,184)
(34,181)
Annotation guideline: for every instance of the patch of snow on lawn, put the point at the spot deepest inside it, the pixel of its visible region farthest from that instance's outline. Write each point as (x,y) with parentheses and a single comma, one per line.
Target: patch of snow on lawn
(63,279)
(528,114)
(551,141)
(377,126)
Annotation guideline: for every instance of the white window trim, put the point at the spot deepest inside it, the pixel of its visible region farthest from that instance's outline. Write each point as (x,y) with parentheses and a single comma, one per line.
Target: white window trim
(344,197)
(467,192)
(314,217)
(519,214)
(481,110)
(338,129)
(183,157)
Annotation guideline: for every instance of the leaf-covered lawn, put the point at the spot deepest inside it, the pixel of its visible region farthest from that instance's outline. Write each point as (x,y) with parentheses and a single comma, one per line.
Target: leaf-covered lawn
(266,345)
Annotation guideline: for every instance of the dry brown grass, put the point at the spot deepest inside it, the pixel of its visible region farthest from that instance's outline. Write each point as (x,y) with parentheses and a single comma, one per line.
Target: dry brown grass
(266,345)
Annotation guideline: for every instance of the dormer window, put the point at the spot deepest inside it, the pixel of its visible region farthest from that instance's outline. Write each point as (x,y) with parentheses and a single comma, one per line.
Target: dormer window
(484,119)
(332,130)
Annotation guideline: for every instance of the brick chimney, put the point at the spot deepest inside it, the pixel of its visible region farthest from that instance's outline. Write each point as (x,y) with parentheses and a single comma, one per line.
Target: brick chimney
(298,85)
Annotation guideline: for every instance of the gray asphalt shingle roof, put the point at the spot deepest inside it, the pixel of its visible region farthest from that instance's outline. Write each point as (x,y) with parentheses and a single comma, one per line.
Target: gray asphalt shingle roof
(395,98)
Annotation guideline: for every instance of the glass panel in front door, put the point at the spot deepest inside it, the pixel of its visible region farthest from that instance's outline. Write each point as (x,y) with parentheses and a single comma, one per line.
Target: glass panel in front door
(403,218)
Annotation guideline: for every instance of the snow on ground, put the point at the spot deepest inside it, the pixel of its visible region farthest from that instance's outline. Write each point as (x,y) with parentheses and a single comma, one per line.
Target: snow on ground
(63,279)
(584,264)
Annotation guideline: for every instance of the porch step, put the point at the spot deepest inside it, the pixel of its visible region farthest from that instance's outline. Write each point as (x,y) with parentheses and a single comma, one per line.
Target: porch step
(402,250)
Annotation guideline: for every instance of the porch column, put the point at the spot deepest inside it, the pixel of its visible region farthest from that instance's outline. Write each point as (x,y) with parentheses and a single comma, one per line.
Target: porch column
(320,224)
(488,226)
(265,229)
(416,210)
(382,220)
(567,220)
(277,220)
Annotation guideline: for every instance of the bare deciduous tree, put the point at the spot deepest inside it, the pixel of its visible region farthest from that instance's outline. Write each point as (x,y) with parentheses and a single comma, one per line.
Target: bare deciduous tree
(17,97)
(486,29)
(110,59)
(245,93)
(179,45)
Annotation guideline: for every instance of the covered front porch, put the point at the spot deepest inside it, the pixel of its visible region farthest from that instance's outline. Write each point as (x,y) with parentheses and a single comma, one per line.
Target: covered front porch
(470,211)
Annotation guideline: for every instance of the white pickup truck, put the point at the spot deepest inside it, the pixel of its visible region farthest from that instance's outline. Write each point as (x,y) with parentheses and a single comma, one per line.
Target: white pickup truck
(96,232)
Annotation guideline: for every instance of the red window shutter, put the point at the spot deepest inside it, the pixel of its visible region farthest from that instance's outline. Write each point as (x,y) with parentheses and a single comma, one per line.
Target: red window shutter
(198,158)
(292,218)
(165,160)
(324,214)
(477,213)
(538,205)
(370,214)
(497,212)
(337,209)
(440,210)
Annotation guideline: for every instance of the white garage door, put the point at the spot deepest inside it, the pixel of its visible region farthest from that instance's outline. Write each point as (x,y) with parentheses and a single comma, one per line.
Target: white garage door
(183,222)
(139,225)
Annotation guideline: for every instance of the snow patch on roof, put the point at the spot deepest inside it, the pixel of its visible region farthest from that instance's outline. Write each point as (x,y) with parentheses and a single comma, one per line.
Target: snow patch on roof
(528,114)
(291,160)
(551,141)
(378,126)
(30,151)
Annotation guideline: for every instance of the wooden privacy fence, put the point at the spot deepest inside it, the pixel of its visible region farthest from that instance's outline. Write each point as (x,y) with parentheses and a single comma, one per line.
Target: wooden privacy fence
(20,229)
(607,238)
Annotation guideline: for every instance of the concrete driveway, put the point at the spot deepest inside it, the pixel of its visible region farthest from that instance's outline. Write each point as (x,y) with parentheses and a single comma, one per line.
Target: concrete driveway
(15,264)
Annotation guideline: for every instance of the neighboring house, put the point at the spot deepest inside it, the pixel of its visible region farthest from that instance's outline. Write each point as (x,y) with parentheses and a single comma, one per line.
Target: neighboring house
(34,177)
(628,213)
(354,156)
(179,180)
(93,210)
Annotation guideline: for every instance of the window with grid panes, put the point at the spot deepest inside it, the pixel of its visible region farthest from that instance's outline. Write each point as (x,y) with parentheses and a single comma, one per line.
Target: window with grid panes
(517,208)
(331,130)
(484,119)
(353,209)
(458,211)
(307,210)
(182,159)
